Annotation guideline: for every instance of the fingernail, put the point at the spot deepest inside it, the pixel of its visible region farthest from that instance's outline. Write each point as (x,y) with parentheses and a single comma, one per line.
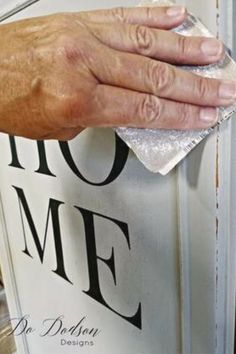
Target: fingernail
(209,115)
(175,11)
(212,47)
(228,90)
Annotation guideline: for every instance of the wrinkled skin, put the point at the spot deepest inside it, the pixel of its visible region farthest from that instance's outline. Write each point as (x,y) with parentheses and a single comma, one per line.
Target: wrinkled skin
(65,72)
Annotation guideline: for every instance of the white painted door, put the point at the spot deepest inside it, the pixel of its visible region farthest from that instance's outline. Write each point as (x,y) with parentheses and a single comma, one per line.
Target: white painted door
(169,286)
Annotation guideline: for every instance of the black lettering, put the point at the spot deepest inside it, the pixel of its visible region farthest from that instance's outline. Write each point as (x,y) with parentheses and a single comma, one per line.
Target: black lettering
(94,290)
(121,156)
(43,164)
(53,210)
(15,160)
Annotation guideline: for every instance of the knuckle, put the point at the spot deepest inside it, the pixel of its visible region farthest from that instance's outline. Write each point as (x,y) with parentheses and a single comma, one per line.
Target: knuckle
(161,76)
(182,46)
(62,41)
(184,115)
(67,49)
(119,13)
(202,87)
(149,110)
(143,39)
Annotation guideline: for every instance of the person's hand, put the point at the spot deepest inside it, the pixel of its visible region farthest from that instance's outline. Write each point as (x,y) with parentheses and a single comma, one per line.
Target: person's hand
(65,72)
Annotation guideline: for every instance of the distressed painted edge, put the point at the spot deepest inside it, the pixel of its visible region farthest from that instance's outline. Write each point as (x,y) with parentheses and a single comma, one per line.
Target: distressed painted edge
(10,279)
(226,243)
(225,260)
(184,258)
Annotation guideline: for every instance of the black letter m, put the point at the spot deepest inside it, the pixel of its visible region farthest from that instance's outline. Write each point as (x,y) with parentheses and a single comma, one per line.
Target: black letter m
(53,209)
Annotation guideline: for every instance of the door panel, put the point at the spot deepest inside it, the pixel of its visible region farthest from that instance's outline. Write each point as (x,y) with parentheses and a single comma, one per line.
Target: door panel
(170,287)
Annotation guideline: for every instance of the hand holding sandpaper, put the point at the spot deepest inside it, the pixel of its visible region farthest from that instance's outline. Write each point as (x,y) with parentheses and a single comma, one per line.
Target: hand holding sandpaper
(108,68)
(161,150)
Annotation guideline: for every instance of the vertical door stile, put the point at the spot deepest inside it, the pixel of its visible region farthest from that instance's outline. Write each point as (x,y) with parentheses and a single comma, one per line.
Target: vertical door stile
(184,261)
(226,243)
(216,177)
(231,305)
(200,246)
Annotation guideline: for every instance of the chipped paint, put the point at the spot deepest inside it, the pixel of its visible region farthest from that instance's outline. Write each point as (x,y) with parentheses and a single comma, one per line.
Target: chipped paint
(217,227)
(217,185)
(217,164)
(217,17)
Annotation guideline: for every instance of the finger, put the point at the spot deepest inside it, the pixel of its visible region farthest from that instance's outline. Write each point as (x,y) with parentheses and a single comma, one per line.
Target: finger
(159,44)
(159,17)
(116,107)
(138,73)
